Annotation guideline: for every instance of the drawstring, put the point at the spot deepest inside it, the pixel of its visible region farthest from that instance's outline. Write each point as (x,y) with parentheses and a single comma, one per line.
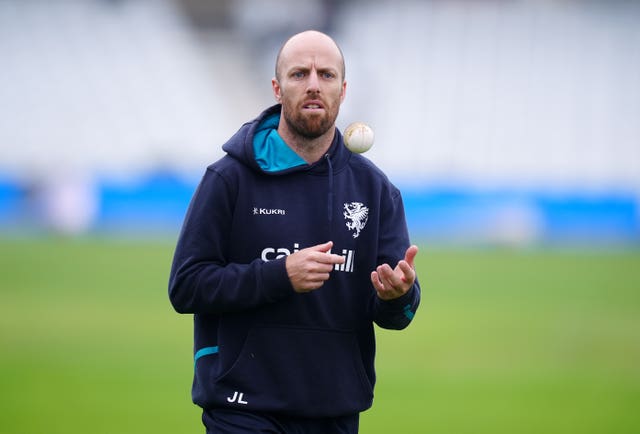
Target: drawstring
(330,196)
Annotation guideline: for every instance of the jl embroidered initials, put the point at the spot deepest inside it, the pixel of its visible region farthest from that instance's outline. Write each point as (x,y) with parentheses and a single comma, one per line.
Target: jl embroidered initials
(237,397)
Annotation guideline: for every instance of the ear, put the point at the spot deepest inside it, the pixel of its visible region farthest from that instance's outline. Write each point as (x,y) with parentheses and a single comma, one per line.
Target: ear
(343,94)
(276,89)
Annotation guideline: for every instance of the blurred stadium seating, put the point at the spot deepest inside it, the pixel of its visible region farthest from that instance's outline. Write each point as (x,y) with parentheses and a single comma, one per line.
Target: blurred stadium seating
(502,122)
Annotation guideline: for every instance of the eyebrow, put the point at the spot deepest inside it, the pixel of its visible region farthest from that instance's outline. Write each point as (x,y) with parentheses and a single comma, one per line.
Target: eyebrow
(320,69)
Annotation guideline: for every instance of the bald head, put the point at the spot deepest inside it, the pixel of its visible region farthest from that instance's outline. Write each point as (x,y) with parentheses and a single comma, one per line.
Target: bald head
(308,43)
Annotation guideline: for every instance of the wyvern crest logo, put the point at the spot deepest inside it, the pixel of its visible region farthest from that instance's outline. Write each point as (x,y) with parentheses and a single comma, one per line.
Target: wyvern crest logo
(356,215)
(268,211)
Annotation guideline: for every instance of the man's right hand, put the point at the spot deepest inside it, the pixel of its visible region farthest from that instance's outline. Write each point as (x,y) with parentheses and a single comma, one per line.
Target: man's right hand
(309,268)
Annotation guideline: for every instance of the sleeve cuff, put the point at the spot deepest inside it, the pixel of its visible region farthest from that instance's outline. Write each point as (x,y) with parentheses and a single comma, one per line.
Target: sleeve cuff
(275,280)
(398,304)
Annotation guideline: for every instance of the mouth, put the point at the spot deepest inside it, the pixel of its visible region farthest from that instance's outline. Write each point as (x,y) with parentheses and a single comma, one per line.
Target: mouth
(313,105)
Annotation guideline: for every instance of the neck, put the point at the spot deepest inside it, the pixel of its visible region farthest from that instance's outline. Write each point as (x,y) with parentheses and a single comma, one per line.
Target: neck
(310,150)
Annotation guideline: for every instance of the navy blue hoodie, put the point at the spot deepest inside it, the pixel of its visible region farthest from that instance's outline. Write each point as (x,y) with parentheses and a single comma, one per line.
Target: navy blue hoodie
(259,345)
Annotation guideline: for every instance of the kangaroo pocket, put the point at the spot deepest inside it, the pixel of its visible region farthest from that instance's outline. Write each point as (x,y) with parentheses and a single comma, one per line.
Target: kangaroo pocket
(305,372)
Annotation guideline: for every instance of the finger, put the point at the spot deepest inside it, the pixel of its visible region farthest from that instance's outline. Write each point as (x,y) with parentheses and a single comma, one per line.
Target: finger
(410,255)
(312,286)
(388,278)
(319,277)
(408,273)
(321,267)
(313,281)
(323,255)
(329,258)
(384,290)
(313,266)
(375,281)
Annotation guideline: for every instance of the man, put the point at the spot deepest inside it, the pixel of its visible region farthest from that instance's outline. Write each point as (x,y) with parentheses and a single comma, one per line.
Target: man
(284,261)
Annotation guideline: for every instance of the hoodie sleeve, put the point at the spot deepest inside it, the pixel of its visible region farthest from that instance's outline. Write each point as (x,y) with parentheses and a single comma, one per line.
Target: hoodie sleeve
(202,279)
(397,314)
(393,243)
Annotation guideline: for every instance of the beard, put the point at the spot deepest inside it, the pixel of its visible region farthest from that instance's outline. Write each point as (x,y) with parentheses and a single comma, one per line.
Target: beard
(309,127)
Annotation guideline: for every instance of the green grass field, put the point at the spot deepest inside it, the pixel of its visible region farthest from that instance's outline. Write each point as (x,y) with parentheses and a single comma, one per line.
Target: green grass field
(506,341)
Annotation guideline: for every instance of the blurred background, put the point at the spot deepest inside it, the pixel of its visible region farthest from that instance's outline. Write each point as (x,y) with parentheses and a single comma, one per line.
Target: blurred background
(502,121)
(512,128)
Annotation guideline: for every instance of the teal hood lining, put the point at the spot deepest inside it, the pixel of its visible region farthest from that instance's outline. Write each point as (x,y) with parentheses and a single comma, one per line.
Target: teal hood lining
(271,152)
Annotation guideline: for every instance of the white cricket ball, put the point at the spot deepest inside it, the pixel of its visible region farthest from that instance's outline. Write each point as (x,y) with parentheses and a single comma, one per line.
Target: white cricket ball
(358,137)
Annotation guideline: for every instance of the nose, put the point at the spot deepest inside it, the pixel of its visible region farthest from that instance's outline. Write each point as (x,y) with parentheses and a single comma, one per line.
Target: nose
(313,83)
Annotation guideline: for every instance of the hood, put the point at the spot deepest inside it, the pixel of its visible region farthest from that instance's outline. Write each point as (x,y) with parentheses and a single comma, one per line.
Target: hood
(258,146)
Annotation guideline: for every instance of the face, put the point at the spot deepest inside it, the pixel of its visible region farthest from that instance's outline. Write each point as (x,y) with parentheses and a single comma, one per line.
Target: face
(310,84)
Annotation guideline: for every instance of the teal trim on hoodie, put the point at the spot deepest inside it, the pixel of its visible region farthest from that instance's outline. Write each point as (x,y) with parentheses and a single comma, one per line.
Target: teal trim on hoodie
(271,152)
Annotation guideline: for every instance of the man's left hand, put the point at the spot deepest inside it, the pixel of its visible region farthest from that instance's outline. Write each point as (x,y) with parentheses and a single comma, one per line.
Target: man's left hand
(393,283)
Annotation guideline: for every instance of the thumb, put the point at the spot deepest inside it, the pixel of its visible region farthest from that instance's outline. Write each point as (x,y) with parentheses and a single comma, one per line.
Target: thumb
(324,247)
(410,255)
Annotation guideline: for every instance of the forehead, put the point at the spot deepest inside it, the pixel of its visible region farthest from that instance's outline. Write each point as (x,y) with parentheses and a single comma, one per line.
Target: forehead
(310,49)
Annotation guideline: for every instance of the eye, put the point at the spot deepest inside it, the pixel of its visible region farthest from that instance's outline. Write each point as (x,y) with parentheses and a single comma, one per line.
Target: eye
(327,75)
(298,74)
